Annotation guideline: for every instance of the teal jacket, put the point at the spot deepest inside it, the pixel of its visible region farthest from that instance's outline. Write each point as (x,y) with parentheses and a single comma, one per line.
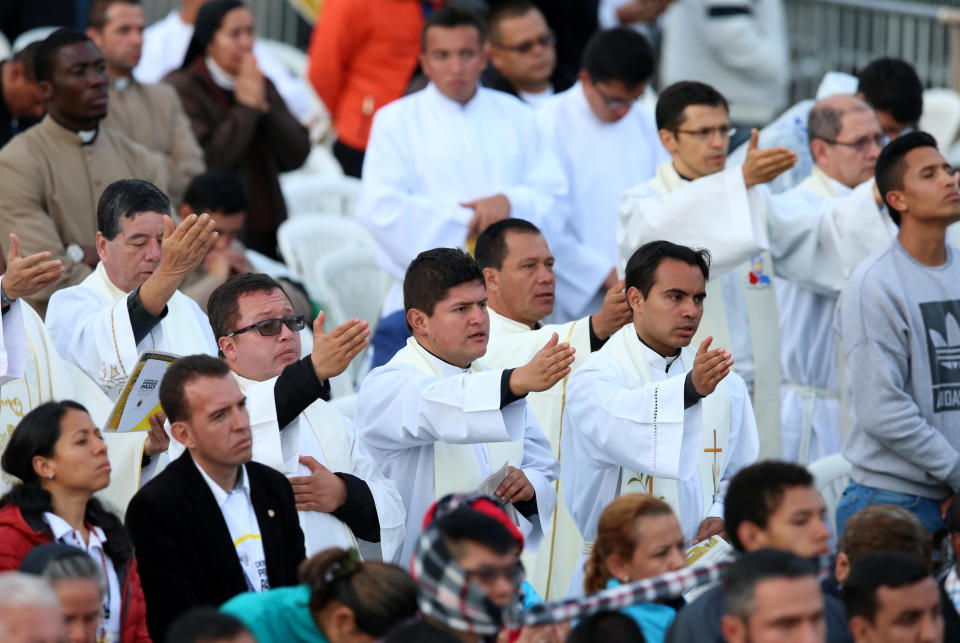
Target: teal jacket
(279,615)
(653,618)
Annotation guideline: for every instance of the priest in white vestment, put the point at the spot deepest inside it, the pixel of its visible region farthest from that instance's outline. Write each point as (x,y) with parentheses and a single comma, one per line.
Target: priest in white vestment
(647,414)
(130,303)
(518,271)
(605,143)
(844,141)
(445,162)
(341,493)
(439,423)
(34,373)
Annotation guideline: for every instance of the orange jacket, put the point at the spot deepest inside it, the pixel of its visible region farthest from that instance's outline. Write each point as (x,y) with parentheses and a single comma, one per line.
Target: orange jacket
(362,55)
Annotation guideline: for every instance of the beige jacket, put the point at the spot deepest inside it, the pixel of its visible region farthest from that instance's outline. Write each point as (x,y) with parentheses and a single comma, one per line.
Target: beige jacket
(51,183)
(152,115)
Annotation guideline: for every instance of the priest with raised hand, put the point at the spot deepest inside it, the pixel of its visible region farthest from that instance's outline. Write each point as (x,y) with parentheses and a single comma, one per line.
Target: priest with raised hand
(130,303)
(340,491)
(518,270)
(440,423)
(648,414)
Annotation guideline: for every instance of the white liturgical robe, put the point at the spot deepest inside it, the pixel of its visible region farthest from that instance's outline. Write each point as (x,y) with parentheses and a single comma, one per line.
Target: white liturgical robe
(600,160)
(626,429)
(13,350)
(436,428)
(428,154)
(513,344)
(90,326)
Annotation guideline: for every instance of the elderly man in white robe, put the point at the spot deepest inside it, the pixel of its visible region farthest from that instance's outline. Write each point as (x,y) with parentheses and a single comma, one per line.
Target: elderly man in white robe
(340,490)
(695,200)
(445,162)
(130,303)
(605,144)
(518,271)
(439,423)
(648,414)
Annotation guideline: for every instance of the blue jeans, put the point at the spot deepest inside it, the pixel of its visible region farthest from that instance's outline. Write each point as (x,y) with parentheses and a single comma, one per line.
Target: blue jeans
(857,496)
(391,335)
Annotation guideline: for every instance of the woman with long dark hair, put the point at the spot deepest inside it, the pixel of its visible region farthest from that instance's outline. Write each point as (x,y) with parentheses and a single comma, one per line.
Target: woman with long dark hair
(59,456)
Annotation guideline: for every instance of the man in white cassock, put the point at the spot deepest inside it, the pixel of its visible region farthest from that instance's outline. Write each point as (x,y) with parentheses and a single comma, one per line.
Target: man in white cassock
(696,200)
(130,303)
(518,271)
(439,423)
(445,162)
(341,493)
(647,414)
(34,373)
(845,139)
(605,144)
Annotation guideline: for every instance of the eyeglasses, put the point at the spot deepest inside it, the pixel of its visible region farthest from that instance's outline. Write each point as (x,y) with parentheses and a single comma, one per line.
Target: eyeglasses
(525,47)
(861,144)
(487,575)
(614,103)
(271,327)
(706,133)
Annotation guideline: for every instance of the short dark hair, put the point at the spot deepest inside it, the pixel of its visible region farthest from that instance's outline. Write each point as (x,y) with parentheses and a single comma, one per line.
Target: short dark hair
(223,308)
(491,247)
(883,569)
(204,625)
(28,58)
(467,524)
(46,55)
(751,569)
(756,491)
(216,191)
(892,85)
(506,10)
(432,274)
(892,164)
(173,396)
(127,198)
(97,13)
(643,263)
(678,96)
(618,54)
(878,528)
(609,627)
(450,16)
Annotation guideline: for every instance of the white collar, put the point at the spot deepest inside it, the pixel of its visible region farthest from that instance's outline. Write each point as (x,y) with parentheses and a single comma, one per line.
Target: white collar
(838,187)
(122,83)
(87,135)
(61,528)
(446,368)
(657,361)
(219,494)
(219,76)
(432,91)
(506,321)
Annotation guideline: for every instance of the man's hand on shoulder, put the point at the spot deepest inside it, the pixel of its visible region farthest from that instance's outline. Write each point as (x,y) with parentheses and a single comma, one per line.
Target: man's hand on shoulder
(486,211)
(333,351)
(763,166)
(709,367)
(26,275)
(550,365)
(614,314)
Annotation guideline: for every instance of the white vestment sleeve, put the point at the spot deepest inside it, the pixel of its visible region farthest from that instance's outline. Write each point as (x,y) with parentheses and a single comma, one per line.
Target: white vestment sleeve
(818,242)
(400,407)
(716,212)
(541,469)
(97,339)
(743,444)
(13,343)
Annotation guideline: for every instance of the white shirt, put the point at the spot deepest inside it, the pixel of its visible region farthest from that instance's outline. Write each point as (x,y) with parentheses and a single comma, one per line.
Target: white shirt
(537,99)
(428,154)
(241,519)
(600,161)
(165,44)
(109,630)
(13,343)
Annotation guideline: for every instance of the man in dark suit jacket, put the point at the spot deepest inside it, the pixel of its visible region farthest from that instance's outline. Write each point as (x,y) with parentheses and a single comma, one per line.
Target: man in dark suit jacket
(213,524)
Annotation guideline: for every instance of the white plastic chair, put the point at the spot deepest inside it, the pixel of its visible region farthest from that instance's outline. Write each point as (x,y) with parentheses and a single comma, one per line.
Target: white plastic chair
(31,36)
(311,193)
(941,115)
(5,49)
(830,476)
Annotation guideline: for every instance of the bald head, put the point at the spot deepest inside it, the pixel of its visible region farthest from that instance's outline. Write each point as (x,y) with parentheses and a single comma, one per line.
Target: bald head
(845,138)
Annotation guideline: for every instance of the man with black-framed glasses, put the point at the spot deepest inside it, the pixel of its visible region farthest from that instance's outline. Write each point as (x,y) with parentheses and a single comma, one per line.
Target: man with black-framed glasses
(340,491)
(523,54)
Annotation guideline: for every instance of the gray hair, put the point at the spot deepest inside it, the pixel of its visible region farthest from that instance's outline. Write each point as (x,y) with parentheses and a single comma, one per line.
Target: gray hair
(753,568)
(79,566)
(26,590)
(826,117)
(128,198)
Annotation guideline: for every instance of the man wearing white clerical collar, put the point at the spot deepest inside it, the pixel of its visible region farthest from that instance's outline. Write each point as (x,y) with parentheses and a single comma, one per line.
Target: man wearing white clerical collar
(131,303)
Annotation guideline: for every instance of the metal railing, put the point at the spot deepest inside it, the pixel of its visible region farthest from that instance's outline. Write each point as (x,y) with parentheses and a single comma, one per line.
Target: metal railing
(276,19)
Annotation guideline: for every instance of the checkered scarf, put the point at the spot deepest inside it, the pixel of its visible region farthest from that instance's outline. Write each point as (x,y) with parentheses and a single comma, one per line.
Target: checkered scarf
(658,588)
(445,594)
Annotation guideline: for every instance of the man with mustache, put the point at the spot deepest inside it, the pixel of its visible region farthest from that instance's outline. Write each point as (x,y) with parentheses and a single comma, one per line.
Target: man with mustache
(54,173)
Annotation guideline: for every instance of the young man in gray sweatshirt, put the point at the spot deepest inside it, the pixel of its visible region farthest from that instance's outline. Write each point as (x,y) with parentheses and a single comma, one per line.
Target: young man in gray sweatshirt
(899,318)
